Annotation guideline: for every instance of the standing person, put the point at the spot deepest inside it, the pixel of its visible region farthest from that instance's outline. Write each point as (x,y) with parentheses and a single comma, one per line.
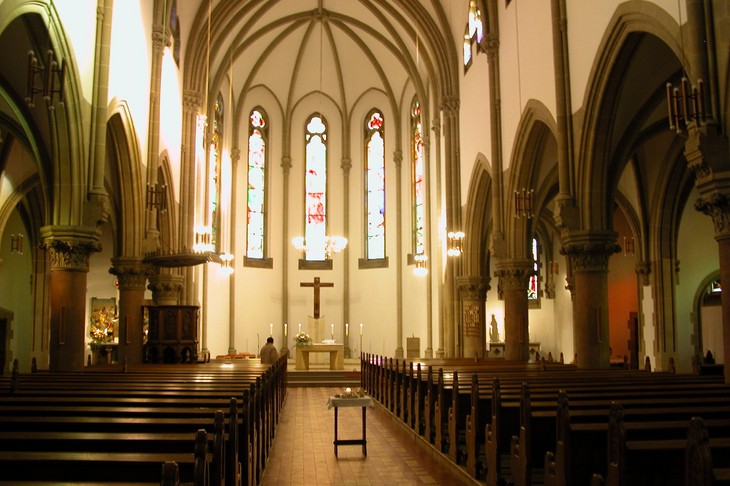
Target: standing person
(269,353)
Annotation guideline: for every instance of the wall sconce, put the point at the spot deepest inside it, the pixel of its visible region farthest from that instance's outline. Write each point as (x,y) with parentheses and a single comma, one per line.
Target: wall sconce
(525,203)
(455,239)
(685,106)
(629,247)
(48,79)
(203,238)
(156,197)
(420,269)
(16,244)
(332,244)
(226,265)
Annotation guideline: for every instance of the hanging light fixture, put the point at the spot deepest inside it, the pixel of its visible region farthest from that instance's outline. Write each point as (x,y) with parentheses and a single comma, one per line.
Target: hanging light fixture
(46,79)
(525,203)
(332,245)
(455,238)
(420,269)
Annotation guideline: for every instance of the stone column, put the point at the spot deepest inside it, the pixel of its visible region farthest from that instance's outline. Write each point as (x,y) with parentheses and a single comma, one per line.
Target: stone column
(706,151)
(589,252)
(166,288)
(514,276)
(131,276)
(69,249)
(718,207)
(473,292)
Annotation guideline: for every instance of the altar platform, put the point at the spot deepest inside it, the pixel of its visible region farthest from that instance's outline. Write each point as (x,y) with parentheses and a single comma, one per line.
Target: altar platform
(319,374)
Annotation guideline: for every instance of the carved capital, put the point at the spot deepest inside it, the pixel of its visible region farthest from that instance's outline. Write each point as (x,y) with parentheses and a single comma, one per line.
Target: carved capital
(643,269)
(398,158)
(131,273)
(166,288)
(589,251)
(192,101)
(286,163)
(717,206)
(498,245)
(450,105)
(70,247)
(473,288)
(514,275)
(159,39)
(346,165)
(235,156)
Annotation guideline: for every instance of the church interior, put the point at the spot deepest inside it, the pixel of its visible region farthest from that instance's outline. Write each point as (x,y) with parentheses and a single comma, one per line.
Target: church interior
(527,181)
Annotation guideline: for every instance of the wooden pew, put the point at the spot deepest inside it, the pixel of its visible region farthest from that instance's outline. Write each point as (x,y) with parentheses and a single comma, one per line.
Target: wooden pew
(155,420)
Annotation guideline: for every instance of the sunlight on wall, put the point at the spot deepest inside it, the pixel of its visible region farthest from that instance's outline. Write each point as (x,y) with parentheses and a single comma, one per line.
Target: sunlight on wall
(171,116)
(79,21)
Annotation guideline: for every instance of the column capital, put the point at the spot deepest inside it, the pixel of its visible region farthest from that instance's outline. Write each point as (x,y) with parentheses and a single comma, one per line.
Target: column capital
(346,165)
(166,288)
(131,272)
(643,269)
(513,274)
(70,247)
(589,250)
(192,100)
(286,162)
(450,104)
(473,287)
(706,153)
(717,206)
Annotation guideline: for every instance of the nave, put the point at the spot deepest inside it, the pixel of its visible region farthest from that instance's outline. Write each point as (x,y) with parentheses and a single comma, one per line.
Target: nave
(302,452)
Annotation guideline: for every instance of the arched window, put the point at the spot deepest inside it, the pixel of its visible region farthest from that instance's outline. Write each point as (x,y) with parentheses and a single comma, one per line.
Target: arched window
(533,290)
(258,132)
(474,32)
(315,229)
(418,184)
(375,185)
(214,173)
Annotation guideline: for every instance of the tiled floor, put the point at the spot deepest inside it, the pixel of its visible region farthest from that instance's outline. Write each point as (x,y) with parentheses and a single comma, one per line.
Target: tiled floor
(303,453)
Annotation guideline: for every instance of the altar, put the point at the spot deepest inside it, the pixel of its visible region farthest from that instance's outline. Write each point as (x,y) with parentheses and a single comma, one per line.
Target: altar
(336,351)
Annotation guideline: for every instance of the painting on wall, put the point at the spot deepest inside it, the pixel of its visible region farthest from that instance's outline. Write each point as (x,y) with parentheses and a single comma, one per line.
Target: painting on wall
(103,325)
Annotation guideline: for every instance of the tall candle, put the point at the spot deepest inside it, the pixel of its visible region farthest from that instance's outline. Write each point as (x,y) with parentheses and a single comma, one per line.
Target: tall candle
(347,329)
(285,334)
(300,327)
(333,329)
(361,328)
(271,329)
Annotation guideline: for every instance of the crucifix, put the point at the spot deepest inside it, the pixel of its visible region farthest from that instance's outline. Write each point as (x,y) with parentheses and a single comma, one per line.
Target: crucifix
(316,284)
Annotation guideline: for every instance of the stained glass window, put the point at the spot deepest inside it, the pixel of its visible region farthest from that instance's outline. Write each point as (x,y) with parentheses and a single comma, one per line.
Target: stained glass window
(532,290)
(214,172)
(315,229)
(474,31)
(418,182)
(375,186)
(256,216)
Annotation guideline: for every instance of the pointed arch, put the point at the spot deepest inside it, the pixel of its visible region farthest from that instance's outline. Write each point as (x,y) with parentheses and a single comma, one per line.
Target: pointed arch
(478,219)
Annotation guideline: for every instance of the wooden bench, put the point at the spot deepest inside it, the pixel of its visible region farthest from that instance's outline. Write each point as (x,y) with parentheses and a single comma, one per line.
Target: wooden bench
(142,415)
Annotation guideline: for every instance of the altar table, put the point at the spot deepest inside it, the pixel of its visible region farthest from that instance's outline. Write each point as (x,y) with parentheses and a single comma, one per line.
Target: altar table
(336,351)
(364,402)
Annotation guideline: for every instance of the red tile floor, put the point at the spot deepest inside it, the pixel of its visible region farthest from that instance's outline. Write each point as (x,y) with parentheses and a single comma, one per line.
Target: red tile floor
(303,452)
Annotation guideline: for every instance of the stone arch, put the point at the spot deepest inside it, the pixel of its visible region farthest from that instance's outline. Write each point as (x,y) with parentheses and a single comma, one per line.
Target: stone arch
(124,175)
(478,220)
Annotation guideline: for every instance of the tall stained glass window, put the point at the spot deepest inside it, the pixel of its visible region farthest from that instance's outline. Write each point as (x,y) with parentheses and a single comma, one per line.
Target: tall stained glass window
(258,131)
(418,183)
(474,31)
(214,173)
(532,292)
(375,185)
(315,229)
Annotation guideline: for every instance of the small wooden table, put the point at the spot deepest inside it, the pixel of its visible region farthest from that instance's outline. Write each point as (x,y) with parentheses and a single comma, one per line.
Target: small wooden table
(336,351)
(364,402)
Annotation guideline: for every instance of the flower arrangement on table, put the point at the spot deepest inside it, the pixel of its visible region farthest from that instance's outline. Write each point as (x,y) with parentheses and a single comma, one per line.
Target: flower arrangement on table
(302,339)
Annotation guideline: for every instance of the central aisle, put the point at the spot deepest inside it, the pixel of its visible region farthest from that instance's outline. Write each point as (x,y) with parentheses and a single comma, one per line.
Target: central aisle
(303,453)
